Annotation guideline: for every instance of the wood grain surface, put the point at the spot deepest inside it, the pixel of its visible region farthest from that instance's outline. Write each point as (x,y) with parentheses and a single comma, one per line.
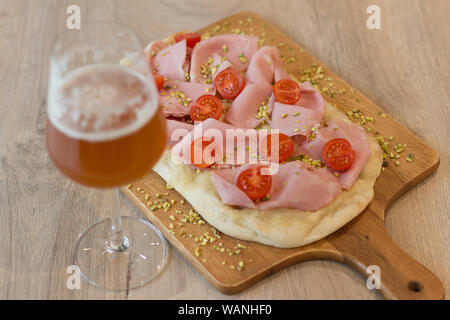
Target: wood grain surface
(403,68)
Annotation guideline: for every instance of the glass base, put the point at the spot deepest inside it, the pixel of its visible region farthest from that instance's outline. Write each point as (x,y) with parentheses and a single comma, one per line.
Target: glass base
(139,260)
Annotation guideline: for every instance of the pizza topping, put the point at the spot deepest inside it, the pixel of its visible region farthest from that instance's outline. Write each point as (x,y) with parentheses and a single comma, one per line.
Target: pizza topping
(265,66)
(202,152)
(245,108)
(351,132)
(171,127)
(294,120)
(228,156)
(286,91)
(338,154)
(317,187)
(177,97)
(255,185)
(295,109)
(234,44)
(153,49)
(206,106)
(229,83)
(171,62)
(246,111)
(192,38)
(282,149)
(159,80)
(310,98)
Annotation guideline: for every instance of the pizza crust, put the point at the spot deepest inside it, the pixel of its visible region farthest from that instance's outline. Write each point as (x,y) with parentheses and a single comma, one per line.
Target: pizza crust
(283,228)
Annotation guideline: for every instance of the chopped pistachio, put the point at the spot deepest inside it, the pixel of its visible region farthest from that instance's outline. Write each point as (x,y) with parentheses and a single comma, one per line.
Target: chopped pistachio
(242,58)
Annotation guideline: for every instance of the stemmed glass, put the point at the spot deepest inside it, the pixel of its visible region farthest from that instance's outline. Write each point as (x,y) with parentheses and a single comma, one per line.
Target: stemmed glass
(104,130)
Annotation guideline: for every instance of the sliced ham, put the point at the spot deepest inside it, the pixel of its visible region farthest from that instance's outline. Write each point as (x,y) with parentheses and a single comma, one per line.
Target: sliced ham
(264,69)
(171,61)
(230,46)
(177,97)
(224,134)
(352,132)
(297,120)
(152,50)
(296,185)
(310,98)
(265,66)
(259,77)
(224,183)
(294,120)
(244,108)
(176,130)
(219,64)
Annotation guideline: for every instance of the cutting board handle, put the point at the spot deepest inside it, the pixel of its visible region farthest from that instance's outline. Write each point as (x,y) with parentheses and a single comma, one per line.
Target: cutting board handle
(367,243)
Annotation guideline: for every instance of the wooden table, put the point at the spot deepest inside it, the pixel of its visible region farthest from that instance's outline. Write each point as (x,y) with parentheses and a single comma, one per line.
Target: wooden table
(404,67)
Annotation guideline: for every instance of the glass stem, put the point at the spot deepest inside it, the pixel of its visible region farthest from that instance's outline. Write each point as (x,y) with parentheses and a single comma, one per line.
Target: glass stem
(118,241)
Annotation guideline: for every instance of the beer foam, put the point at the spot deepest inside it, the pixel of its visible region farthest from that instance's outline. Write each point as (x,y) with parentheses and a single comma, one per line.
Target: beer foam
(101,102)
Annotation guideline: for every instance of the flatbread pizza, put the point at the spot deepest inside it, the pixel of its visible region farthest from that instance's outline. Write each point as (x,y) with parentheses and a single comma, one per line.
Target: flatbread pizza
(326,165)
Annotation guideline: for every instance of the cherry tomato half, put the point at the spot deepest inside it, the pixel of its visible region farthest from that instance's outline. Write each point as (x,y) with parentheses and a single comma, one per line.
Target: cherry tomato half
(159,80)
(229,83)
(191,38)
(284,147)
(338,154)
(206,106)
(255,185)
(199,145)
(286,91)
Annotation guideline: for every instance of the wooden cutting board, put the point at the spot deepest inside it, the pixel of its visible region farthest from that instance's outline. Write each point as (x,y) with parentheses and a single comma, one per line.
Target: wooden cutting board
(231,265)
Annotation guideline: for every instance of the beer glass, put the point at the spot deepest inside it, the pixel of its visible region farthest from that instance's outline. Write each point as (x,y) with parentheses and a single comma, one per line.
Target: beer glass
(104,130)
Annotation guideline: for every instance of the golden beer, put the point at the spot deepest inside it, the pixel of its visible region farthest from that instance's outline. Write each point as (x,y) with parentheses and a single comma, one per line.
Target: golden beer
(103,128)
